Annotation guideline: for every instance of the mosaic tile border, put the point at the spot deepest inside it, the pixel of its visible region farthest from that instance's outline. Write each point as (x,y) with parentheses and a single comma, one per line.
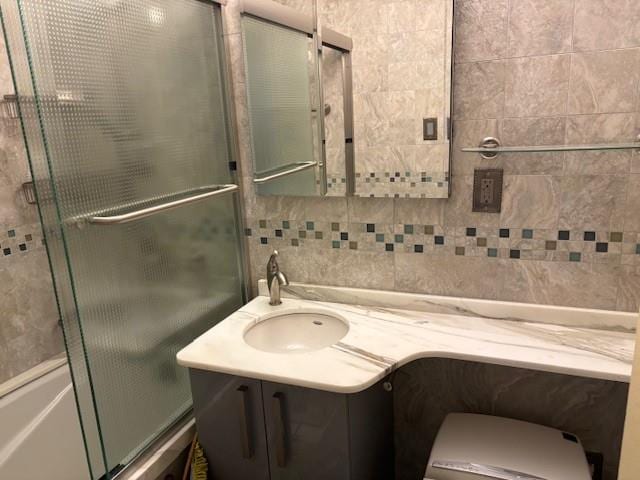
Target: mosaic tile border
(16,242)
(508,243)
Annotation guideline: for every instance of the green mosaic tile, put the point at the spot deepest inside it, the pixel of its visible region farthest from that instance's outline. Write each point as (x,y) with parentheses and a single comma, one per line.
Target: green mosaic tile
(263,223)
(492,252)
(399,238)
(527,233)
(285,224)
(575,256)
(310,226)
(380,237)
(335,244)
(408,229)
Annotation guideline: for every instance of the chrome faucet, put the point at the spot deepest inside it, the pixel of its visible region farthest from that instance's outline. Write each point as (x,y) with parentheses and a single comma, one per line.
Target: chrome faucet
(275,279)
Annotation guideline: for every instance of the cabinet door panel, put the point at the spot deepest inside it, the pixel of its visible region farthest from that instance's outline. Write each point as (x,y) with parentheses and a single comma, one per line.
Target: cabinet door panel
(230,423)
(307,433)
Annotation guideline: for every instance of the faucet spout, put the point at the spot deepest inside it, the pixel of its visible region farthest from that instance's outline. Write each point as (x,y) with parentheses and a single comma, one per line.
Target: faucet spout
(275,279)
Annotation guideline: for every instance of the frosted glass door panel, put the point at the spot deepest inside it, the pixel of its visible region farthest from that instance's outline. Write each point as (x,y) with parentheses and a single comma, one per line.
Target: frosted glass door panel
(280,75)
(125,106)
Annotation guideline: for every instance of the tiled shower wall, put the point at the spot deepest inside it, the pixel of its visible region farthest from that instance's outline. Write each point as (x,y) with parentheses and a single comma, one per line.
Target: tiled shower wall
(530,72)
(29,330)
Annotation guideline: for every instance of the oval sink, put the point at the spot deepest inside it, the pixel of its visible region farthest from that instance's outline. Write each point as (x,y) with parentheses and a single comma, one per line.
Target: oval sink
(296,332)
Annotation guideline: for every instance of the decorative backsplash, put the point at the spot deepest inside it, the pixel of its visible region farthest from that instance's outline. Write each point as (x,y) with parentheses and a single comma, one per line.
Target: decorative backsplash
(510,243)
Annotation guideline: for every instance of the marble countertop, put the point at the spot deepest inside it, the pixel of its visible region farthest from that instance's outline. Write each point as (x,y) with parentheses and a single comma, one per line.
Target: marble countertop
(383,339)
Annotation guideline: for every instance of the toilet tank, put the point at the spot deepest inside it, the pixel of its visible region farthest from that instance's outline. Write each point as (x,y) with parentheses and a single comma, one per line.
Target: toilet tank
(483,447)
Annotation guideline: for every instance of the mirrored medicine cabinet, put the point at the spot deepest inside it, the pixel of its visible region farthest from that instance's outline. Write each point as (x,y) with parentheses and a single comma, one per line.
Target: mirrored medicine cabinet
(341,105)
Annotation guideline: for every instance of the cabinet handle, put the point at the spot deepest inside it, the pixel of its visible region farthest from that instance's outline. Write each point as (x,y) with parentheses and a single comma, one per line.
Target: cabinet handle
(247,448)
(281,449)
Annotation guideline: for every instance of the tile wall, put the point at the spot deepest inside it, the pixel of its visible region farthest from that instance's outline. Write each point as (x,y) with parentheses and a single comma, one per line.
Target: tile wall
(29,330)
(539,72)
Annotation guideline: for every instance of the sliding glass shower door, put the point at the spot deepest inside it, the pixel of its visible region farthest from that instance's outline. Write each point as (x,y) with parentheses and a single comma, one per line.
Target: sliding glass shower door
(124,114)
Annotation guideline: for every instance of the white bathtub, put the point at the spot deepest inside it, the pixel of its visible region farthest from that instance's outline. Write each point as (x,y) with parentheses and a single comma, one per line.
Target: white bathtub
(39,429)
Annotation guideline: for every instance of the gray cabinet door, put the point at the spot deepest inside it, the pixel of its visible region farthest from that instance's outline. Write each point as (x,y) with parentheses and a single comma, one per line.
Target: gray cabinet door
(230,423)
(307,431)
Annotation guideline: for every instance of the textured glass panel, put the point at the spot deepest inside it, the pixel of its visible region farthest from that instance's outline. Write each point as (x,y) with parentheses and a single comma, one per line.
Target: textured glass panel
(123,104)
(279,68)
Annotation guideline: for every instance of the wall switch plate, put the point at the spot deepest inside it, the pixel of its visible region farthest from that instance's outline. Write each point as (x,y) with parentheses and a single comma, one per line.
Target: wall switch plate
(487,190)
(430,128)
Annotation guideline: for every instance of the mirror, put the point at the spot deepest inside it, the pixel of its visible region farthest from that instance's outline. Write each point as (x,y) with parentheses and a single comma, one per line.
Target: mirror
(357,103)
(401,66)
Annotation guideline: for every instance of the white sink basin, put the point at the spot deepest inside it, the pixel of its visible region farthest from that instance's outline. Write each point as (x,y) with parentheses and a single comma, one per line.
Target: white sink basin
(296,331)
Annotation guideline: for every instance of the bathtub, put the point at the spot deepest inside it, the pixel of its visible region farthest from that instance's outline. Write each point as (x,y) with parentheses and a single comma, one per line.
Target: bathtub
(40,433)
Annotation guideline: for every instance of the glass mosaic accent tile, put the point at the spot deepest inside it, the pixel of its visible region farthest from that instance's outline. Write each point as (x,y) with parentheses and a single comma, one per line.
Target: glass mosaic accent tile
(615,237)
(538,245)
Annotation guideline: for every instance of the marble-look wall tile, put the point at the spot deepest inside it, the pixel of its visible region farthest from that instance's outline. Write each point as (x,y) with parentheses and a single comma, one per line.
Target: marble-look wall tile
(558,283)
(606,24)
(628,287)
(537,86)
(479,90)
(29,330)
(425,391)
(531,201)
(446,275)
(540,27)
(481,30)
(592,202)
(632,208)
(603,82)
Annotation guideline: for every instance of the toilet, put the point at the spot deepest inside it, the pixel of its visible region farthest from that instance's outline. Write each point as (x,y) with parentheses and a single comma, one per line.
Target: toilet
(483,447)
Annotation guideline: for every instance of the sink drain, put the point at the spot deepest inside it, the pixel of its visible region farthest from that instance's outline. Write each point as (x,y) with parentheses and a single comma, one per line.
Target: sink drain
(317,322)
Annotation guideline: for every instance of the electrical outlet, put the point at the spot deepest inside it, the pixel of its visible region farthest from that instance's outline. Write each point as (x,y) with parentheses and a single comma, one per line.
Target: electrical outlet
(487,190)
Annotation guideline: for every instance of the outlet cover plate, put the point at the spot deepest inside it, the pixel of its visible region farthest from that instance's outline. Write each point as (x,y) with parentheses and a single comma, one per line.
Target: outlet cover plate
(487,190)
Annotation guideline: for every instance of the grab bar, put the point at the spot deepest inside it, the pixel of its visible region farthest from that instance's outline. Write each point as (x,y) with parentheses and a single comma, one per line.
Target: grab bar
(212,191)
(298,168)
(490,147)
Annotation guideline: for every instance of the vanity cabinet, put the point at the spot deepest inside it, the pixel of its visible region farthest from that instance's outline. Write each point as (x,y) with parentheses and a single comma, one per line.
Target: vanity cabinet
(264,430)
